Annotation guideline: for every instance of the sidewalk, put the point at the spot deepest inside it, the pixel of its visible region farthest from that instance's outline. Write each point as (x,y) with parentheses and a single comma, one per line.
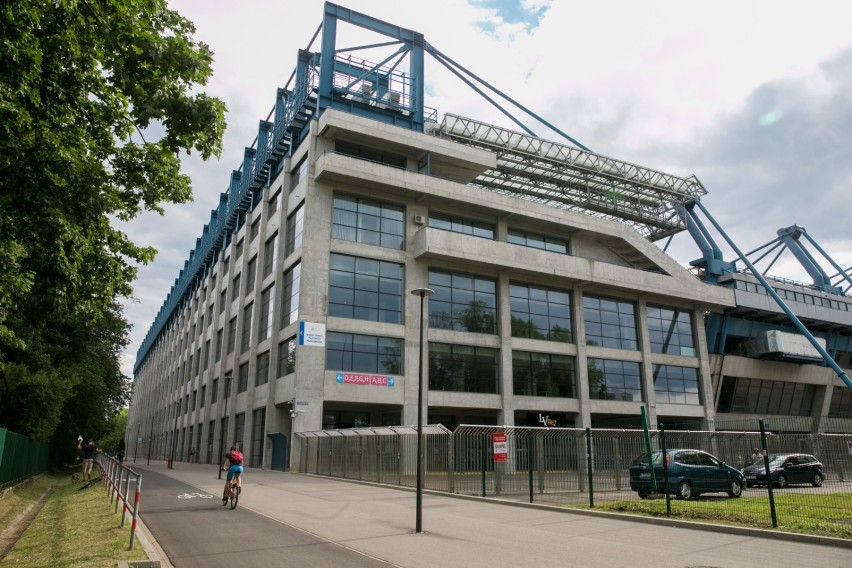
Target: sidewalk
(378,521)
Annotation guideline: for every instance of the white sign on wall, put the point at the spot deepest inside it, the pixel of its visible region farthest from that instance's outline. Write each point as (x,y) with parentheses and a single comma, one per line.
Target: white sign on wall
(311,333)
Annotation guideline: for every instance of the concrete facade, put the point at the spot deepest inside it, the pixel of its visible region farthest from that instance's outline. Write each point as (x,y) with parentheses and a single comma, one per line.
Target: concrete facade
(226,328)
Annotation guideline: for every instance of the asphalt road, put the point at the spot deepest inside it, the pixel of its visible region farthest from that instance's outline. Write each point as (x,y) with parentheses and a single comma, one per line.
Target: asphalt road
(295,520)
(195,530)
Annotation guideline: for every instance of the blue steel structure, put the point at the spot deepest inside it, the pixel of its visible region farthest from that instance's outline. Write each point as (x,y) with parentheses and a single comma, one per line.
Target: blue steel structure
(714,266)
(392,91)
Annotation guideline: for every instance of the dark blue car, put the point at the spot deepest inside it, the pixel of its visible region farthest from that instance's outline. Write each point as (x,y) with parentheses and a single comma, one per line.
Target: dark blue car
(690,473)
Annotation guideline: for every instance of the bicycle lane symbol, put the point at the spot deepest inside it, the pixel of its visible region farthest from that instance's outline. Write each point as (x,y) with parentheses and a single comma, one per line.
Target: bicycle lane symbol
(194,495)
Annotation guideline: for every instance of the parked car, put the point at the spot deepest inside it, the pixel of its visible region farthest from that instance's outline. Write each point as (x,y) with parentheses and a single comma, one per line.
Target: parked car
(786,469)
(690,473)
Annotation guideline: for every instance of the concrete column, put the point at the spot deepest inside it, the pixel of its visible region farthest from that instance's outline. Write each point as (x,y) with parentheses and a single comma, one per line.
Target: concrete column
(584,418)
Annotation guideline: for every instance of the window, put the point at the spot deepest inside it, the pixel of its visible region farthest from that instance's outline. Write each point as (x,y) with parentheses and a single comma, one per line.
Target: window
(232,334)
(670,331)
(211,426)
(610,323)
(371,154)
(614,380)
(462,302)
(298,173)
(251,272)
(544,374)
(223,299)
(206,354)
(290,295)
(194,398)
(464,368)
(261,373)
(540,313)
(267,298)
(239,250)
(269,255)
(676,385)
(245,342)
(239,429)
(532,240)
(214,391)
(203,395)
(273,202)
(235,287)
(219,341)
(287,357)
(365,289)
(757,396)
(242,378)
(841,402)
(295,228)
(254,230)
(363,353)
(460,225)
(258,428)
(369,222)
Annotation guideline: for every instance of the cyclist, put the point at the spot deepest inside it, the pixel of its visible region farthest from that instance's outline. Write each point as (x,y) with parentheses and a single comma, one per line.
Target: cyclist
(234,464)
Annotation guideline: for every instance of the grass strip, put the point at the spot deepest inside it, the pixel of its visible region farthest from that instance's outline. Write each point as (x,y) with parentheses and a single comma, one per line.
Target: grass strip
(75,529)
(809,514)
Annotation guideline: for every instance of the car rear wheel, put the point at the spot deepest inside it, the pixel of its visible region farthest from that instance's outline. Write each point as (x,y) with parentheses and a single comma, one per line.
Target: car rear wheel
(782,480)
(818,479)
(684,490)
(735,488)
(643,494)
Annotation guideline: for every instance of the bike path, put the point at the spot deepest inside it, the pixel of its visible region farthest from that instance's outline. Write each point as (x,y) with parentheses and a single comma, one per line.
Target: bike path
(194,529)
(378,521)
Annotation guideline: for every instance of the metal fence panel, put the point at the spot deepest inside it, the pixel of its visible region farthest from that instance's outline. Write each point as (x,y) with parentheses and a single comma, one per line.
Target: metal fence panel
(592,468)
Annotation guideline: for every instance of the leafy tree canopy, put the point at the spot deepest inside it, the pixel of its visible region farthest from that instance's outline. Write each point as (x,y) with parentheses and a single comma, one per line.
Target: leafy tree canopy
(98,99)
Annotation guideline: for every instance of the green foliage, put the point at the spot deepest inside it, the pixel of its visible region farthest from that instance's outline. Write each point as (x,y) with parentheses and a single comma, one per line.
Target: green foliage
(44,390)
(114,440)
(98,98)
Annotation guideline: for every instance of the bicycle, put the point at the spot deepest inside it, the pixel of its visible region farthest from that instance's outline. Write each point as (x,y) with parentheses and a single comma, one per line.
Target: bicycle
(233,492)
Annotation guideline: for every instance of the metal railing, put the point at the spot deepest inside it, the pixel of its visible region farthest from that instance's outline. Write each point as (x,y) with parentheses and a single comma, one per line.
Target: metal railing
(117,480)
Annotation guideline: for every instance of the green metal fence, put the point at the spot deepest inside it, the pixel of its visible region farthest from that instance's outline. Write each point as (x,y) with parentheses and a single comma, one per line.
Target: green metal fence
(20,457)
(591,468)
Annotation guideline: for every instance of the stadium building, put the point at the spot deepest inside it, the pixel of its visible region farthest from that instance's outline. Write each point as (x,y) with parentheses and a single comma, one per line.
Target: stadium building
(364,233)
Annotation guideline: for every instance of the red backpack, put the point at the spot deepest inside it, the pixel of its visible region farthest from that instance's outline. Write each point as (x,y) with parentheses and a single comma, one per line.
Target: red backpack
(235,457)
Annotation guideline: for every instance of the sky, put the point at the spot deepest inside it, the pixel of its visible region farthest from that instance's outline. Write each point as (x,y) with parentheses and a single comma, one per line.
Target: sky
(754,98)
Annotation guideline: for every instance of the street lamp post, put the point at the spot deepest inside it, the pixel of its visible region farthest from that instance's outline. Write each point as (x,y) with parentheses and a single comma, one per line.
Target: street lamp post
(422,292)
(226,396)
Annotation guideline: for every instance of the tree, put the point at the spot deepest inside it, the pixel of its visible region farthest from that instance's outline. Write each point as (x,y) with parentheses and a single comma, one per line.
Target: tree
(98,98)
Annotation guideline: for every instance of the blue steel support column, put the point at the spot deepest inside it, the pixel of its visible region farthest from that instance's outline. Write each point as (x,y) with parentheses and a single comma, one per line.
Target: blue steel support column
(828,258)
(328,47)
(790,237)
(417,79)
(799,325)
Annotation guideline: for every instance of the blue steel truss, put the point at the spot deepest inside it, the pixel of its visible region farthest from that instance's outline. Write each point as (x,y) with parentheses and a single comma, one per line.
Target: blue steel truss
(715,260)
(390,91)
